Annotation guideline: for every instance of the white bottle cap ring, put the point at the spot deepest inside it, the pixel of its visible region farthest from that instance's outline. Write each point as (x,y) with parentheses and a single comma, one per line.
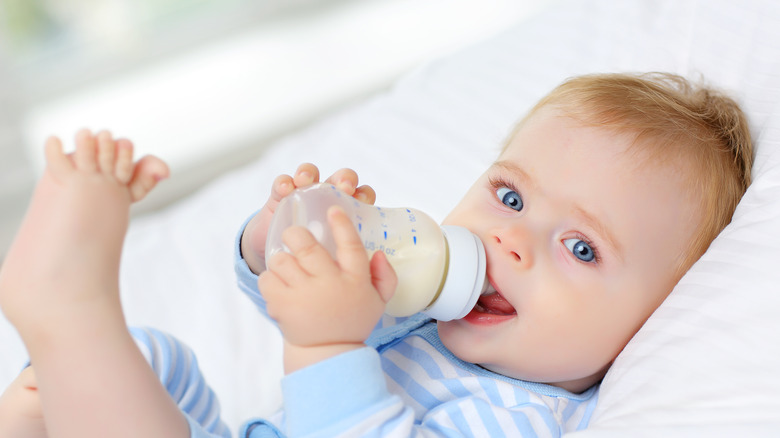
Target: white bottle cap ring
(465,279)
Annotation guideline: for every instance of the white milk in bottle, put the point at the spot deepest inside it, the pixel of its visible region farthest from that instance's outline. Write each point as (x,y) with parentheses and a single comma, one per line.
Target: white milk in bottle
(441,270)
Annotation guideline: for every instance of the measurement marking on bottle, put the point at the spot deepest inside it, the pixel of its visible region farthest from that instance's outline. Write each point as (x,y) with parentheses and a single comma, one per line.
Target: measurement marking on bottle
(370,245)
(385,235)
(414,239)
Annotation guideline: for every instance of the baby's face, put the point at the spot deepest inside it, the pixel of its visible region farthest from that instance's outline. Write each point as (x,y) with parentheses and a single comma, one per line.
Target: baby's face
(582,245)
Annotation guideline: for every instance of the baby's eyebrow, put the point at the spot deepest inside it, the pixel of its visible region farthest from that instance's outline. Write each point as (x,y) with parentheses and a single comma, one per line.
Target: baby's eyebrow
(516,170)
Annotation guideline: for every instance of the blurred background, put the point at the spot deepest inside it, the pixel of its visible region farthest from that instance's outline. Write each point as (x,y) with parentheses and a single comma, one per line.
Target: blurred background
(205,84)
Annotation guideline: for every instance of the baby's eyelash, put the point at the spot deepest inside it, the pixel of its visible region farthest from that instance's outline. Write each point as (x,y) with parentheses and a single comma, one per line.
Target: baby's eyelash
(497,182)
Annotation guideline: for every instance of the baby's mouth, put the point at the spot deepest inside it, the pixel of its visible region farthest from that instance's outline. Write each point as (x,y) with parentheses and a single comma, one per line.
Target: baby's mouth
(493,303)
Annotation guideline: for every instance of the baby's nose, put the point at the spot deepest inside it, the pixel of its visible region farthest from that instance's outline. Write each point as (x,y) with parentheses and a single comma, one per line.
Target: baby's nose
(516,244)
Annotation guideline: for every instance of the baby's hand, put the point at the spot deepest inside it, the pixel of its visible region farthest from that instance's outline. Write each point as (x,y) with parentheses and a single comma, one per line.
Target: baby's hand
(324,306)
(20,408)
(256,231)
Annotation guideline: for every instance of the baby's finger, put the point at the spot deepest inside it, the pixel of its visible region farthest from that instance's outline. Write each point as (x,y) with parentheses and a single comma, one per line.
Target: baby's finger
(365,194)
(306,175)
(286,268)
(345,180)
(312,257)
(350,252)
(383,276)
(282,186)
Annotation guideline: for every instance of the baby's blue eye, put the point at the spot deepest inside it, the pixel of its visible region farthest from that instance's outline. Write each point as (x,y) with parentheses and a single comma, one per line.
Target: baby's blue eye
(510,198)
(580,249)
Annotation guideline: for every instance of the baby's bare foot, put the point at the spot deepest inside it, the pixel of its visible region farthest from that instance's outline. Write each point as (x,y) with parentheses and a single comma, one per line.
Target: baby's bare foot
(65,257)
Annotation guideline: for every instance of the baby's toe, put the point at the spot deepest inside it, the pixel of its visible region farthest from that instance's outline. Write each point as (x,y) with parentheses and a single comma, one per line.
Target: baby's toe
(85,156)
(124,161)
(56,160)
(148,172)
(106,152)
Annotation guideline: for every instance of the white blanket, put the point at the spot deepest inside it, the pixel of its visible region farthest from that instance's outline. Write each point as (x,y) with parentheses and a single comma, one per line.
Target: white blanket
(707,361)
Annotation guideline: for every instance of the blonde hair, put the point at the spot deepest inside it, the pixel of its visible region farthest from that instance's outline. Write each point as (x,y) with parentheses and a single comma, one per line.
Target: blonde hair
(672,121)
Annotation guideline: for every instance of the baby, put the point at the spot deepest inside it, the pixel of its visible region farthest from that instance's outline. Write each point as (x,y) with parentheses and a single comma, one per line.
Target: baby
(604,196)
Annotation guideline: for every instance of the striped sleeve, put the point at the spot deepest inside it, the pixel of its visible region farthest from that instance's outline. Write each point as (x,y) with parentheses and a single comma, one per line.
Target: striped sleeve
(177,368)
(247,280)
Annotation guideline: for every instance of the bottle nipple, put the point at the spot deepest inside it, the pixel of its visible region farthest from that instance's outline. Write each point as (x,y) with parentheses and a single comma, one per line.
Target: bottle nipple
(465,278)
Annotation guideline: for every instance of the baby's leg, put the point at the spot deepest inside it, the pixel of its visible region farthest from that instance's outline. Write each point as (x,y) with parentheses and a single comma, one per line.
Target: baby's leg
(59,288)
(20,408)
(65,257)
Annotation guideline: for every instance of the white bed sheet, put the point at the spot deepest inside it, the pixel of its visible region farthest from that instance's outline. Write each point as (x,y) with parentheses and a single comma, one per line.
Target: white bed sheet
(706,363)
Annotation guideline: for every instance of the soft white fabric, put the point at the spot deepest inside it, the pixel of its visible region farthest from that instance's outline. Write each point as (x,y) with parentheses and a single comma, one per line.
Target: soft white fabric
(706,363)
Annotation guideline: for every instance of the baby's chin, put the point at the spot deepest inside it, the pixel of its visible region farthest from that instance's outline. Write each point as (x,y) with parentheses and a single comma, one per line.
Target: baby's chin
(574,386)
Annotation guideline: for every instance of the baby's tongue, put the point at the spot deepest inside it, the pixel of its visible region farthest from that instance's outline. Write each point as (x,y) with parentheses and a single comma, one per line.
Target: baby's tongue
(496,304)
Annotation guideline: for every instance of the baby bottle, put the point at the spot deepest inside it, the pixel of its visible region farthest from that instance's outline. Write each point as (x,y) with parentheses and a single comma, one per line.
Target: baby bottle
(440,270)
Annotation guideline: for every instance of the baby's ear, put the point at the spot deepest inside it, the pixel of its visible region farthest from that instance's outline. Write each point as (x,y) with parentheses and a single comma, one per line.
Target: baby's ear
(383,276)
